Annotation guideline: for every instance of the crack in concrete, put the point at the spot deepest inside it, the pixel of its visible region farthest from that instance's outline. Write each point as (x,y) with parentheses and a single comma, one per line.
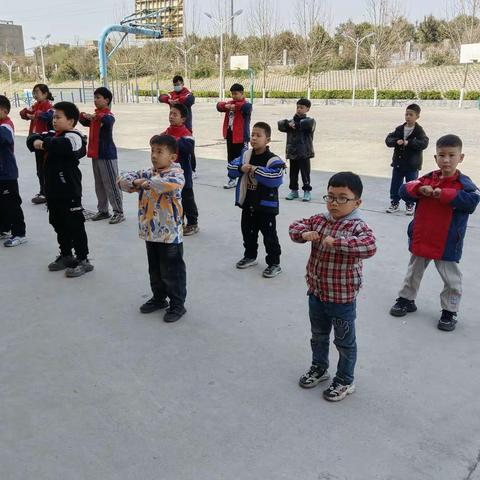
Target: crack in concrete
(472,469)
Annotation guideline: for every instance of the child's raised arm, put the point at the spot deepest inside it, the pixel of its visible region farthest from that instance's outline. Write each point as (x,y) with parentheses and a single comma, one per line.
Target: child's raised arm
(300,230)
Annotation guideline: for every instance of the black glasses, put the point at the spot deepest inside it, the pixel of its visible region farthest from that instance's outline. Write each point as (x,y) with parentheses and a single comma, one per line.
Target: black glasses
(339,200)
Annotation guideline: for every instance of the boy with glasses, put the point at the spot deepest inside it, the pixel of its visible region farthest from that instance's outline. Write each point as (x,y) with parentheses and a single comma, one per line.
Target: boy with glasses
(340,240)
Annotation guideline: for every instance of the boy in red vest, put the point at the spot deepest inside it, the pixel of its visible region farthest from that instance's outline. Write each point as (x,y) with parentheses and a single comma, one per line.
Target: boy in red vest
(236,125)
(103,152)
(186,147)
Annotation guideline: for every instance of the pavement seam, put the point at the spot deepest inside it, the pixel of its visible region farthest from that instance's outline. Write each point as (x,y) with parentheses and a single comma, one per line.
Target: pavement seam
(472,469)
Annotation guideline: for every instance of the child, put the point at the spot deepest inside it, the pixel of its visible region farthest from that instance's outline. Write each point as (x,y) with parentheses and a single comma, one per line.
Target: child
(40,116)
(160,225)
(186,148)
(409,141)
(261,173)
(63,188)
(103,152)
(181,94)
(340,240)
(12,224)
(299,132)
(445,198)
(236,125)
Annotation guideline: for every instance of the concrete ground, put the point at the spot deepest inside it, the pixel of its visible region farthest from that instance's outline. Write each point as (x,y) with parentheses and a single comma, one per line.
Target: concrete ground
(92,389)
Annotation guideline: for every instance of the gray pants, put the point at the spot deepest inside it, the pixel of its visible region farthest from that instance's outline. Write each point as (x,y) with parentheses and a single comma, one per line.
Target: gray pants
(105,173)
(451,276)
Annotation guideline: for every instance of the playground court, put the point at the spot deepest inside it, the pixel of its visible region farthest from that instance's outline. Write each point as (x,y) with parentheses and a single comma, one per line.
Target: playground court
(92,389)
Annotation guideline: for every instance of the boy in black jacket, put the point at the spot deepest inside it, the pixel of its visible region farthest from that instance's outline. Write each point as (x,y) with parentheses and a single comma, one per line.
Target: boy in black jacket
(63,188)
(261,173)
(409,141)
(299,132)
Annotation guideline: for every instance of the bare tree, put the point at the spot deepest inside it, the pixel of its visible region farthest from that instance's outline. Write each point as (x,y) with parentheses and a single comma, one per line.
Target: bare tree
(313,41)
(384,16)
(263,24)
(463,27)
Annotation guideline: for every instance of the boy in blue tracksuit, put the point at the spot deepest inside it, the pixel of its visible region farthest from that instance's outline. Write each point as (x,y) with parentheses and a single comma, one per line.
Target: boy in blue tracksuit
(261,173)
(12,224)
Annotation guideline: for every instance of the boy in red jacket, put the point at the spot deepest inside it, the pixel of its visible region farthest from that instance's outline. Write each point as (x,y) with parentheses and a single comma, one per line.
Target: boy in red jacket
(445,198)
(40,117)
(103,152)
(236,125)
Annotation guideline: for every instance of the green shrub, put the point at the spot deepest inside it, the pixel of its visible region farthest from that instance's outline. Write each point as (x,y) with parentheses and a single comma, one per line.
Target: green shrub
(280,94)
(472,95)
(205,93)
(396,94)
(430,95)
(202,72)
(451,95)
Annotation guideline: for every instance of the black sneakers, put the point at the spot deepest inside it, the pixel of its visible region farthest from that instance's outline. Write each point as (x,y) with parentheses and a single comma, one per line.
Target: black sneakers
(153,305)
(313,377)
(337,392)
(402,307)
(272,271)
(62,262)
(246,262)
(174,314)
(447,321)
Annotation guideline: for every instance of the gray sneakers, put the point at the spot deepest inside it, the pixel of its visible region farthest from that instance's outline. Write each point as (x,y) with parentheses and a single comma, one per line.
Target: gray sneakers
(246,262)
(83,267)
(116,218)
(272,271)
(313,377)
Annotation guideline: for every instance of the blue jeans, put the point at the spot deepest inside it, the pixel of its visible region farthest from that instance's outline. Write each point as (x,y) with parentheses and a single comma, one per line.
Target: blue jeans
(398,175)
(324,315)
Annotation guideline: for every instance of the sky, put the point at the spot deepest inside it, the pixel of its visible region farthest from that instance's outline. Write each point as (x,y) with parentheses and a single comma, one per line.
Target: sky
(72,21)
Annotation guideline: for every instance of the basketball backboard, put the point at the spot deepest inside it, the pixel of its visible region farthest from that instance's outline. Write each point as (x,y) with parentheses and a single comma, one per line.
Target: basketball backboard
(239,62)
(470,53)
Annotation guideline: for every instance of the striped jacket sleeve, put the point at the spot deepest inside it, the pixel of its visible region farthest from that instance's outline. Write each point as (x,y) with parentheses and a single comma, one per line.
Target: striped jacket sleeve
(6,134)
(271,175)
(362,244)
(233,167)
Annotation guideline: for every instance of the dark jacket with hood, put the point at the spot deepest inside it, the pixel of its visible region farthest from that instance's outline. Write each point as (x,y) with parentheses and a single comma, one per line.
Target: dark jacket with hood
(300,138)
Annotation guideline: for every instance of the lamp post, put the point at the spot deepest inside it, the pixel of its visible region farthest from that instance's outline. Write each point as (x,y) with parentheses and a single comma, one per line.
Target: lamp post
(185,52)
(222,23)
(41,43)
(357,41)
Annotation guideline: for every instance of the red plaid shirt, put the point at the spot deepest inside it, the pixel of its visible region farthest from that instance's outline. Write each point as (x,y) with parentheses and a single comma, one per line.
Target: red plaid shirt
(335,274)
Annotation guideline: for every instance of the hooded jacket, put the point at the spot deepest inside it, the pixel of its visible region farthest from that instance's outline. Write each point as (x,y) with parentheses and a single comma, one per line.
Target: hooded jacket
(300,138)
(63,151)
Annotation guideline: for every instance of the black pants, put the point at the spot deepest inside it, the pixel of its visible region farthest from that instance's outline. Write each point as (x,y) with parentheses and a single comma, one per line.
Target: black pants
(190,210)
(254,222)
(193,161)
(40,160)
(300,165)
(66,217)
(168,274)
(233,149)
(11,213)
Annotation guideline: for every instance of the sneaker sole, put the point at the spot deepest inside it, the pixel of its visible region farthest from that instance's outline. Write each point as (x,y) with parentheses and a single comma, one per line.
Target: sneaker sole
(271,276)
(154,309)
(243,267)
(79,274)
(347,392)
(446,328)
(21,242)
(116,221)
(394,313)
(323,378)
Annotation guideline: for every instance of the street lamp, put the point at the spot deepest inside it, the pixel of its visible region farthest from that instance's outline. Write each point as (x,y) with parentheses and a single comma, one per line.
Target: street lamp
(185,52)
(222,23)
(357,41)
(41,42)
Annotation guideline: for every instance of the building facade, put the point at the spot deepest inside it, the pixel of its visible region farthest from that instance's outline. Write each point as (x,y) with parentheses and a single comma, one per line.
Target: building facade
(11,38)
(171,18)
